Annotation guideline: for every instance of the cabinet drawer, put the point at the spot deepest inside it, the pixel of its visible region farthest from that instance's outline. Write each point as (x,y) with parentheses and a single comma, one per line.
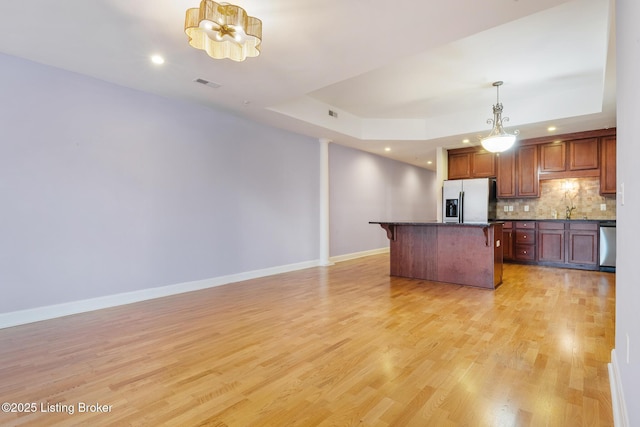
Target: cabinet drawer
(551,226)
(508,225)
(525,252)
(526,224)
(526,237)
(592,226)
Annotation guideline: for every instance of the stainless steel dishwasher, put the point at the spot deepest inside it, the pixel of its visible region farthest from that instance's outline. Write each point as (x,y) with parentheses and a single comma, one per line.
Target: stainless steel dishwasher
(608,246)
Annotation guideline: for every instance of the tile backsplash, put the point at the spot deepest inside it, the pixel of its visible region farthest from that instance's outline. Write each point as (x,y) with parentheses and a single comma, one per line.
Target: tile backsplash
(558,194)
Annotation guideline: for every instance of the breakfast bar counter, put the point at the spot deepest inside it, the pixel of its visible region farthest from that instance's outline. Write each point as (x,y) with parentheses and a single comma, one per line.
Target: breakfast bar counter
(464,254)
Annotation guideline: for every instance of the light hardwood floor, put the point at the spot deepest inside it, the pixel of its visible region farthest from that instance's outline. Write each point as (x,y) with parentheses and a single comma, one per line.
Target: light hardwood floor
(345,345)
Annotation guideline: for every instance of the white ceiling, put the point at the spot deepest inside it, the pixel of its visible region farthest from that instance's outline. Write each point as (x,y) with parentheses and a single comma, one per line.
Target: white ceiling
(411,75)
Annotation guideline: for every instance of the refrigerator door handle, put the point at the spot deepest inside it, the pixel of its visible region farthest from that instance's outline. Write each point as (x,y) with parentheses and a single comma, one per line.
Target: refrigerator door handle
(461,203)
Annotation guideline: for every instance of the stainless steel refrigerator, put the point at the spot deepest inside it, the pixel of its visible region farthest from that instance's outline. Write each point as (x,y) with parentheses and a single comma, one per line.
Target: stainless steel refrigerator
(470,201)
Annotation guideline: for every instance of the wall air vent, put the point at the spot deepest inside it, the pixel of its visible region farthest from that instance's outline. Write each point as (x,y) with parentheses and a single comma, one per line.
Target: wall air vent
(207,83)
(333,114)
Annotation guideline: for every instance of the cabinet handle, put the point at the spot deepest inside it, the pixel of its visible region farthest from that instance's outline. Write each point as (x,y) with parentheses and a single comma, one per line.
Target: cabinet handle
(524,237)
(524,252)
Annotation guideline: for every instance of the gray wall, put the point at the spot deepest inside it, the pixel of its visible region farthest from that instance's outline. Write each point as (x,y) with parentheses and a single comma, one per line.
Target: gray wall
(365,187)
(628,154)
(106,190)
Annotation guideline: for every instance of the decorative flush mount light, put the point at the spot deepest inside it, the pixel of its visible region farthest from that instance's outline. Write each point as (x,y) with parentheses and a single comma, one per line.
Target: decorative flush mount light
(498,139)
(223,31)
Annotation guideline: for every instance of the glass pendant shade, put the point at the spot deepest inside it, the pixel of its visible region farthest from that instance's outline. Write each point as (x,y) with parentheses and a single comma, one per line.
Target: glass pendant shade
(223,31)
(497,144)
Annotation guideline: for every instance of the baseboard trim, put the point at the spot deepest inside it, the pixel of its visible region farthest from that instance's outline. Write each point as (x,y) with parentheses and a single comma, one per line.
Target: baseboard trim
(37,314)
(21,317)
(620,417)
(355,255)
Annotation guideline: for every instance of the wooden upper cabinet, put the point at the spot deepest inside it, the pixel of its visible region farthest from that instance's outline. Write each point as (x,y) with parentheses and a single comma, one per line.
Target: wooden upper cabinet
(553,157)
(583,154)
(569,157)
(528,182)
(483,165)
(459,165)
(518,173)
(506,176)
(608,165)
(471,163)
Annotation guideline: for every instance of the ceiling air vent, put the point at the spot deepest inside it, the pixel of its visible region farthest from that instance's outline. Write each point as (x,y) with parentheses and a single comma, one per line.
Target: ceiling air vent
(333,114)
(207,83)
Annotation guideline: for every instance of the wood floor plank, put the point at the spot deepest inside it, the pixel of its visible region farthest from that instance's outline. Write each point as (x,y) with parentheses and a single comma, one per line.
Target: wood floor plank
(339,345)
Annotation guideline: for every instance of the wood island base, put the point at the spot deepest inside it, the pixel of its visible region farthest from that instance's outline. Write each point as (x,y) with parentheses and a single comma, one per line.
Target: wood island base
(464,254)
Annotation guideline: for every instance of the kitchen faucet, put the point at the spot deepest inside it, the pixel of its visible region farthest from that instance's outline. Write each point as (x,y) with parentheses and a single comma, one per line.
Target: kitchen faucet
(568,212)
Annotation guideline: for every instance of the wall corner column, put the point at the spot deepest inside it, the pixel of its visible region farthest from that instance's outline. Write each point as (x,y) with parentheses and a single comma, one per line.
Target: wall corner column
(442,173)
(324,202)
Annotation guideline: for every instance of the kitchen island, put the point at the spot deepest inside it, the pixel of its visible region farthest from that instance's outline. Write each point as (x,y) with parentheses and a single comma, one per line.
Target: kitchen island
(464,254)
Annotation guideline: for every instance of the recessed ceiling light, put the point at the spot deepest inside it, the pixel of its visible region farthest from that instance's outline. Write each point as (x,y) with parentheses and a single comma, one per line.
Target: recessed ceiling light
(157,59)
(465,141)
(387,149)
(429,162)
(551,128)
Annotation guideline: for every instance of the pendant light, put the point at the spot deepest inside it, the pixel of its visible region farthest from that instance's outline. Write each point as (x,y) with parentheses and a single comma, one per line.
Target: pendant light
(498,139)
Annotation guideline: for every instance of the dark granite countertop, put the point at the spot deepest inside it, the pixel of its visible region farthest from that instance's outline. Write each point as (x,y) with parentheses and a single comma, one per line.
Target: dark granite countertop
(612,221)
(437,223)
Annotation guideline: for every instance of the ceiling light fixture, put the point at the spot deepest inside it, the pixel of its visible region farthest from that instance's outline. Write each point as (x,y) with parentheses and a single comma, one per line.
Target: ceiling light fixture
(223,31)
(157,59)
(498,139)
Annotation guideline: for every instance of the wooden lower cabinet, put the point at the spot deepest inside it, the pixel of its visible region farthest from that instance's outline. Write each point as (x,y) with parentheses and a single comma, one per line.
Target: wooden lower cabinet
(551,242)
(525,241)
(582,245)
(507,241)
(566,244)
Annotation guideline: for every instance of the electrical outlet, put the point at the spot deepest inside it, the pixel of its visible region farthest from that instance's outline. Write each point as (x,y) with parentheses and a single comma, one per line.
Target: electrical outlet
(510,208)
(526,208)
(506,208)
(603,206)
